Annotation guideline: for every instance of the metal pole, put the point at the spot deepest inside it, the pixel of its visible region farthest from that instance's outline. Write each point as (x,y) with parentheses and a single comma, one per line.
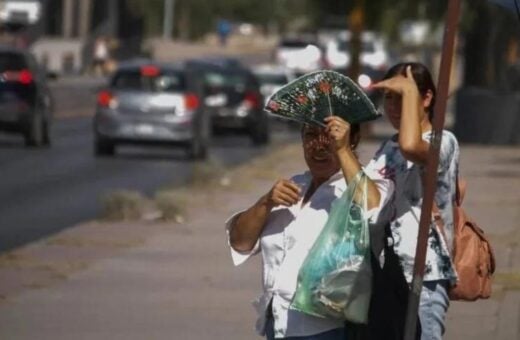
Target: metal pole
(68,18)
(85,16)
(169,8)
(450,30)
(357,23)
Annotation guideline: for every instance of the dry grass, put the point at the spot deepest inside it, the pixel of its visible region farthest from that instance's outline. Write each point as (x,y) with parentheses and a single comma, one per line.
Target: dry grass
(15,260)
(124,205)
(58,270)
(83,242)
(266,167)
(206,174)
(172,204)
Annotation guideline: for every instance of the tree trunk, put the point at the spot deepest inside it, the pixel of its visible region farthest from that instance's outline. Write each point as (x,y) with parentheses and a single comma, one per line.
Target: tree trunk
(487,46)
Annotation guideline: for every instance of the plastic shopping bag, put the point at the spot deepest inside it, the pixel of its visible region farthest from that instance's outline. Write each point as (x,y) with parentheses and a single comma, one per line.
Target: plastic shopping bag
(335,280)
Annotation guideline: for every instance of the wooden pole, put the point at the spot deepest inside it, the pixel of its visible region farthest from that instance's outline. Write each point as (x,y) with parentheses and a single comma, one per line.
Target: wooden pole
(450,30)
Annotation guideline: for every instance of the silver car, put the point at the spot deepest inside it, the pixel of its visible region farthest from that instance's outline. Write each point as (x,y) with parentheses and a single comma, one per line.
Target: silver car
(151,104)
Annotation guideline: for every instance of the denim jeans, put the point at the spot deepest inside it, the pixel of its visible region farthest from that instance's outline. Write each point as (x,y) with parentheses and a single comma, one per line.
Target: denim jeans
(334,334)
(433,306)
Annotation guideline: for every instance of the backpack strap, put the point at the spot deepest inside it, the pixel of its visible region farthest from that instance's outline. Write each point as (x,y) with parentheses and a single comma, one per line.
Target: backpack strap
(439,222)
(460,190)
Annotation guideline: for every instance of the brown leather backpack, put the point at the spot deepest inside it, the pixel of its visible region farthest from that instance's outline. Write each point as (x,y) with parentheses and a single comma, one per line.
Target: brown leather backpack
(472,256)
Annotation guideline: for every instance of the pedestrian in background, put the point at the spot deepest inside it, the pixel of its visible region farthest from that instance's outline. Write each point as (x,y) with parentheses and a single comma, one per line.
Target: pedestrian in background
(223,31)
(101,56)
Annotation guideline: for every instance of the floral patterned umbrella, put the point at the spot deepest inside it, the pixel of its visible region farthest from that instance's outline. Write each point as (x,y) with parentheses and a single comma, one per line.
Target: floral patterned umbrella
(314,96)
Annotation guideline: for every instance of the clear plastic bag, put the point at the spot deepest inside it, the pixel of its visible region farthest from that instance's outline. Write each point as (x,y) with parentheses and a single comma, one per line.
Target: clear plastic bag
(335,280)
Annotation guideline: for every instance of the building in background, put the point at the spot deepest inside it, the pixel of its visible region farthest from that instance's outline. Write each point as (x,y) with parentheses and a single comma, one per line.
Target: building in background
(62,33)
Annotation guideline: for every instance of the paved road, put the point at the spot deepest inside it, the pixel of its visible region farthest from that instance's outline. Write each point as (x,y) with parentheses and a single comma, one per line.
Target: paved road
(44,191)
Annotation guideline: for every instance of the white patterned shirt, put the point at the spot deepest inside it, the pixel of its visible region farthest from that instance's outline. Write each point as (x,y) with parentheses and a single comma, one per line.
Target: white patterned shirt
(404,207)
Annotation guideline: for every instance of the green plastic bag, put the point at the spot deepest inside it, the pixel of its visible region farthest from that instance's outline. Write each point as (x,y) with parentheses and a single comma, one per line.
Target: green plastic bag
(335,280)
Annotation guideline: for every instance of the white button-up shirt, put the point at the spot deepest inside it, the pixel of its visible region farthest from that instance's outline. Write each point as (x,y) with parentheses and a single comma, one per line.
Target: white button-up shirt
(287,237)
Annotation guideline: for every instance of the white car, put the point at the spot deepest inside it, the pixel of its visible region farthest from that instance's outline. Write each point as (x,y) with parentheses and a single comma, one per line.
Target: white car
(373,54)
(299,55)
(272,78)
(20,12)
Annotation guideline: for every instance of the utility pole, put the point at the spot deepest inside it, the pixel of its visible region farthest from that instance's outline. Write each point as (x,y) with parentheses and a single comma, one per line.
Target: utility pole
(169,8)
(450,29)
(85,16)
(68,18)
(357,24)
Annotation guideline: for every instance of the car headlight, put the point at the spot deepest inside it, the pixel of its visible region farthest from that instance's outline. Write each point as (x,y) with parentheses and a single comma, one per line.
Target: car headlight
(364,81)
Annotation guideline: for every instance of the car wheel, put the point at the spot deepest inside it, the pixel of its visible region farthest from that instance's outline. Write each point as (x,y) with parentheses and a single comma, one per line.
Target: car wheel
(35,134)
(104,147)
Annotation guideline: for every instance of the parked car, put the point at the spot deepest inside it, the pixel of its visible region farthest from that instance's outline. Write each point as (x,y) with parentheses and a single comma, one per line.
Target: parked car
(272,78)
(151,103)
(26,105)
(299,55)
(20,12)
(233,100)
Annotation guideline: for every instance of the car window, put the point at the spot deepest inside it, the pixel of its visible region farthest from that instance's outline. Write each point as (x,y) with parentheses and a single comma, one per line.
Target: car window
(229,81)
(168,81)
(12,62)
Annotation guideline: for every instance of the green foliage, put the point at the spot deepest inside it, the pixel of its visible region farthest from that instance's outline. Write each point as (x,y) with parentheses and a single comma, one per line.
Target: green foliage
(152,10)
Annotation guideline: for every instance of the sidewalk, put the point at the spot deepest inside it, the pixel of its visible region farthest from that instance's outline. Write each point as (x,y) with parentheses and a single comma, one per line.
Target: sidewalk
(146,280)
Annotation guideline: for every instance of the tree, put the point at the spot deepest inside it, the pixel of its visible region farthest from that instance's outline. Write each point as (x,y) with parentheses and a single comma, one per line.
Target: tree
(491,32)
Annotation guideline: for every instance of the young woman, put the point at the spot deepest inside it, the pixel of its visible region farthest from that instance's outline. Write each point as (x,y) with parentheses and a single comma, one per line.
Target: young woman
(409,98)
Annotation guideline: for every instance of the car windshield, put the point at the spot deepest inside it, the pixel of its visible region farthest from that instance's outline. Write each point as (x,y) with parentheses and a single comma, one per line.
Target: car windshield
(12,62)
(220,80)
(272,78)
(345,46)
(167,81)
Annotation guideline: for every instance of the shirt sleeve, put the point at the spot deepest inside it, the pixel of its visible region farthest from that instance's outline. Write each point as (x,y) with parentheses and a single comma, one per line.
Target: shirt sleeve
(239,257)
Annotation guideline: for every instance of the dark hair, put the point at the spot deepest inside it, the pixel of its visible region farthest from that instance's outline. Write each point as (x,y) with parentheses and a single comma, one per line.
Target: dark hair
(422,77)
(355,134)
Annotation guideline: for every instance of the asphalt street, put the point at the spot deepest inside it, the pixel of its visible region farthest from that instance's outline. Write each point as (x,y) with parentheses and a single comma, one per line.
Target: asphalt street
(46,190)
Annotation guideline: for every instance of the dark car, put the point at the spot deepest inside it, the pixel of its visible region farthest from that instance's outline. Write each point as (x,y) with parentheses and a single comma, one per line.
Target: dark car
(151,103)
(25,99)
(233,99)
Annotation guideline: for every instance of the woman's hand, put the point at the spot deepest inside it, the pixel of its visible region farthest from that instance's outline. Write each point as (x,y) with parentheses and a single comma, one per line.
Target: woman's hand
(284,192)
(399,84)
(339,133)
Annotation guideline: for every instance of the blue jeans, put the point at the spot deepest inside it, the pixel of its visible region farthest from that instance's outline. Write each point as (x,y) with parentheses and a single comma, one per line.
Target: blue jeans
(434,303)
(334,334)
